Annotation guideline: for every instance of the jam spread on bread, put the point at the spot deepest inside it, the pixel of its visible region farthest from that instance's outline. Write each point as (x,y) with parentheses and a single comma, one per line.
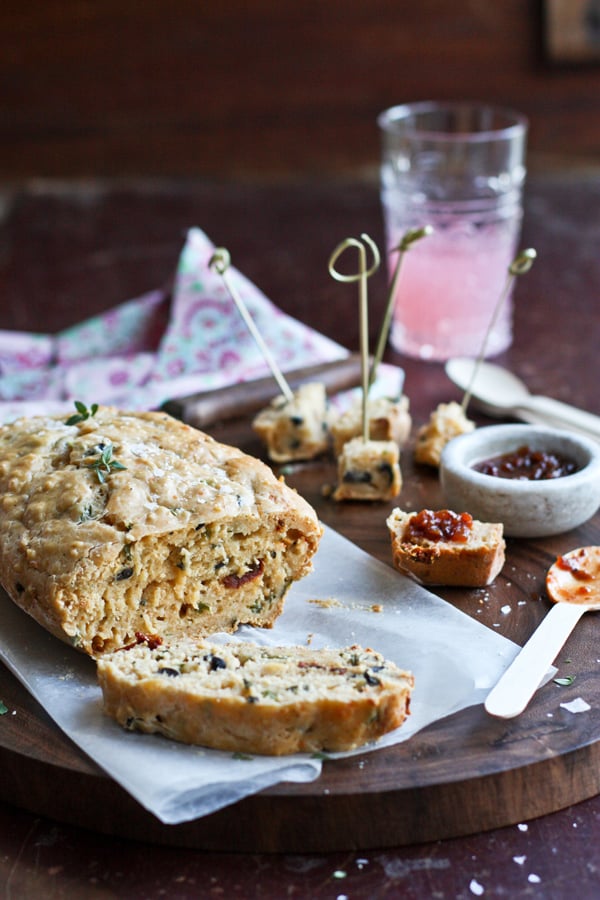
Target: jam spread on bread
(439,525)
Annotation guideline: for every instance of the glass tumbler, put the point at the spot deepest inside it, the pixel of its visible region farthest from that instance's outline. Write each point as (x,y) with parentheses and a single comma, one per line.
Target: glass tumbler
(460,168)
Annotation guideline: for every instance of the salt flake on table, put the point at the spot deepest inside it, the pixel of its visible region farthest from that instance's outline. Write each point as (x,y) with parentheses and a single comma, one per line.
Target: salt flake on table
(576,706)
(476,888)
(505,610)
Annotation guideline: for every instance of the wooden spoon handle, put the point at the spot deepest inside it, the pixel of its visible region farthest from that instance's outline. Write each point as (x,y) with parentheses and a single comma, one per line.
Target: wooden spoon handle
(248,397)
(563,413)
(520,681)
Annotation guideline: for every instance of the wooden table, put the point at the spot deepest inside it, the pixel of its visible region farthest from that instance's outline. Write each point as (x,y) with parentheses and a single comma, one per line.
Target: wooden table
(67,252)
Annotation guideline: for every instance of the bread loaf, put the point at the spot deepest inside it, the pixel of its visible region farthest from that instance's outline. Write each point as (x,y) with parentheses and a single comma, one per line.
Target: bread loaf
(247,698)
(134,522)
(435,557)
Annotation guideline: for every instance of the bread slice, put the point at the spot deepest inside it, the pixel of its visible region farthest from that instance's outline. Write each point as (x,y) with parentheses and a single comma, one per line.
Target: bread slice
(134,522)
(251,699)
(472,562)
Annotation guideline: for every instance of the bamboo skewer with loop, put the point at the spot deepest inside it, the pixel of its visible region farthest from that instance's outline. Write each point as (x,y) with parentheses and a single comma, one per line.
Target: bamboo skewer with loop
(519,266)
(220,261)
(408,239)
(361,277)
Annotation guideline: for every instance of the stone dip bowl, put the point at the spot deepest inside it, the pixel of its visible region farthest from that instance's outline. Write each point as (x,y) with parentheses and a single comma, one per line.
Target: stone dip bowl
(527,508)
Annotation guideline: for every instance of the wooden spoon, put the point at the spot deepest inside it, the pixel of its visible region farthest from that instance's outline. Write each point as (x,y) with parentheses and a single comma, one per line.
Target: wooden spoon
(500,393)
(573,584)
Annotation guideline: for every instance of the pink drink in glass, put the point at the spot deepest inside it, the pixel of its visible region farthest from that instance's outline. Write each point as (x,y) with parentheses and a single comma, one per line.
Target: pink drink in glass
(449,286)
(459,168)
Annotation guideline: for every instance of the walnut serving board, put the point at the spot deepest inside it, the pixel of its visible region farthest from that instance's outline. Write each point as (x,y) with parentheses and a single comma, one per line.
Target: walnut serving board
(464,774)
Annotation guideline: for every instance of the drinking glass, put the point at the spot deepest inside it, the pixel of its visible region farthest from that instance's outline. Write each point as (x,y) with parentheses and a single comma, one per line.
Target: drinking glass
(459,168)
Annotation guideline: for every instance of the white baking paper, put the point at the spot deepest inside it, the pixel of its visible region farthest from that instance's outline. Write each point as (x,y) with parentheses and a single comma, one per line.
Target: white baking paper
(455,660)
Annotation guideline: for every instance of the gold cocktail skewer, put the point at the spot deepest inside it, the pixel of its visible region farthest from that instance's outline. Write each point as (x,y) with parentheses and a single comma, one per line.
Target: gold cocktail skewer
(408,239)
(361,277)
(220,261)
(519,266)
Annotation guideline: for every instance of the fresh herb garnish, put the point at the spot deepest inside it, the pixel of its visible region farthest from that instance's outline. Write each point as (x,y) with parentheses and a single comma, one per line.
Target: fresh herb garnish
(566,681)
(105,464)
(82,413)
(239,755)
(318,754)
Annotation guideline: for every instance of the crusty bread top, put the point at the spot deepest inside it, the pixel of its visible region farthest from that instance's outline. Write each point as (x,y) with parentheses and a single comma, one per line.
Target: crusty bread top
(160,476)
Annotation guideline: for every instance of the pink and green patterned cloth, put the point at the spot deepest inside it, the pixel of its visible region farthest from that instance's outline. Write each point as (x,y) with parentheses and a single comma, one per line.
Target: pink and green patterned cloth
(156,347)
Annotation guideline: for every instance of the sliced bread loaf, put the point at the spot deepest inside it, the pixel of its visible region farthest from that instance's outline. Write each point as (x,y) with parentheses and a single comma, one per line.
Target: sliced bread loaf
(113,523)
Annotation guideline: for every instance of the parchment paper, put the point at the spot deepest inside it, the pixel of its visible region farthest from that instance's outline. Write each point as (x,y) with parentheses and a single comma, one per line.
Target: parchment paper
(177,783)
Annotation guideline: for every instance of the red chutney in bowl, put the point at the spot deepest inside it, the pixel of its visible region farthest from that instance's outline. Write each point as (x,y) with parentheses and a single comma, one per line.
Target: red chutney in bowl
(528,464)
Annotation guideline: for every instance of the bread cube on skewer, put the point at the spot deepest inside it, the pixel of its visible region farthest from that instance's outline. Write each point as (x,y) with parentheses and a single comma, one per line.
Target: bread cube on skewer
(295,429)
(368,470)
(447,421)
(389,420)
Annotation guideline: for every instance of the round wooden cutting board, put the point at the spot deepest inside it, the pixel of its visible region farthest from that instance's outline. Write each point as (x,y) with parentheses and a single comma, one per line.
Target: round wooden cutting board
(464,774)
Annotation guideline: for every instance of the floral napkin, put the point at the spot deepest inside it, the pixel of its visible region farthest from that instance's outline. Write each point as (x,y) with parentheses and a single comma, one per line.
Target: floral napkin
(156,347)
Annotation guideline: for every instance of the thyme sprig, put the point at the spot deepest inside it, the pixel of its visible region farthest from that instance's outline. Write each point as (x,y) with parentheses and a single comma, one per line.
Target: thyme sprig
(82,413)
(105,465)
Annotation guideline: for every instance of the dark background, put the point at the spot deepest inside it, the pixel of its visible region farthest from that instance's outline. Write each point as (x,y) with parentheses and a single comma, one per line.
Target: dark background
(271,88)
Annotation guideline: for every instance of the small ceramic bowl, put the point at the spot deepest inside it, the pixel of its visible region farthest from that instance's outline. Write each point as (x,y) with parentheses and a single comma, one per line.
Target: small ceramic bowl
(527,508)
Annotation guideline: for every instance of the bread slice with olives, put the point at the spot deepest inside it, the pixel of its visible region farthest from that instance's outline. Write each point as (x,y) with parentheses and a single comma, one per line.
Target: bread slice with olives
(441,547)
(246,698)
(114,523)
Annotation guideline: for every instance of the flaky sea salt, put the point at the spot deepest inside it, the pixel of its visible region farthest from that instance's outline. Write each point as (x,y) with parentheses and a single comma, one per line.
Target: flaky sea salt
(476,888)
(576,706)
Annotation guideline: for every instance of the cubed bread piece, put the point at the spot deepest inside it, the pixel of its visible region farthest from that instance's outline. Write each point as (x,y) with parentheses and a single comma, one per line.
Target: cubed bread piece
(295,429)
(447,421)
(432,556)
(389,420)
(135,522)
(247,698)
(368,470)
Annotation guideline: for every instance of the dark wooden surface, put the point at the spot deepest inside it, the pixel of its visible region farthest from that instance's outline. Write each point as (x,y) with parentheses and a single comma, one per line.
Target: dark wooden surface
(266,88)
(68,253)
